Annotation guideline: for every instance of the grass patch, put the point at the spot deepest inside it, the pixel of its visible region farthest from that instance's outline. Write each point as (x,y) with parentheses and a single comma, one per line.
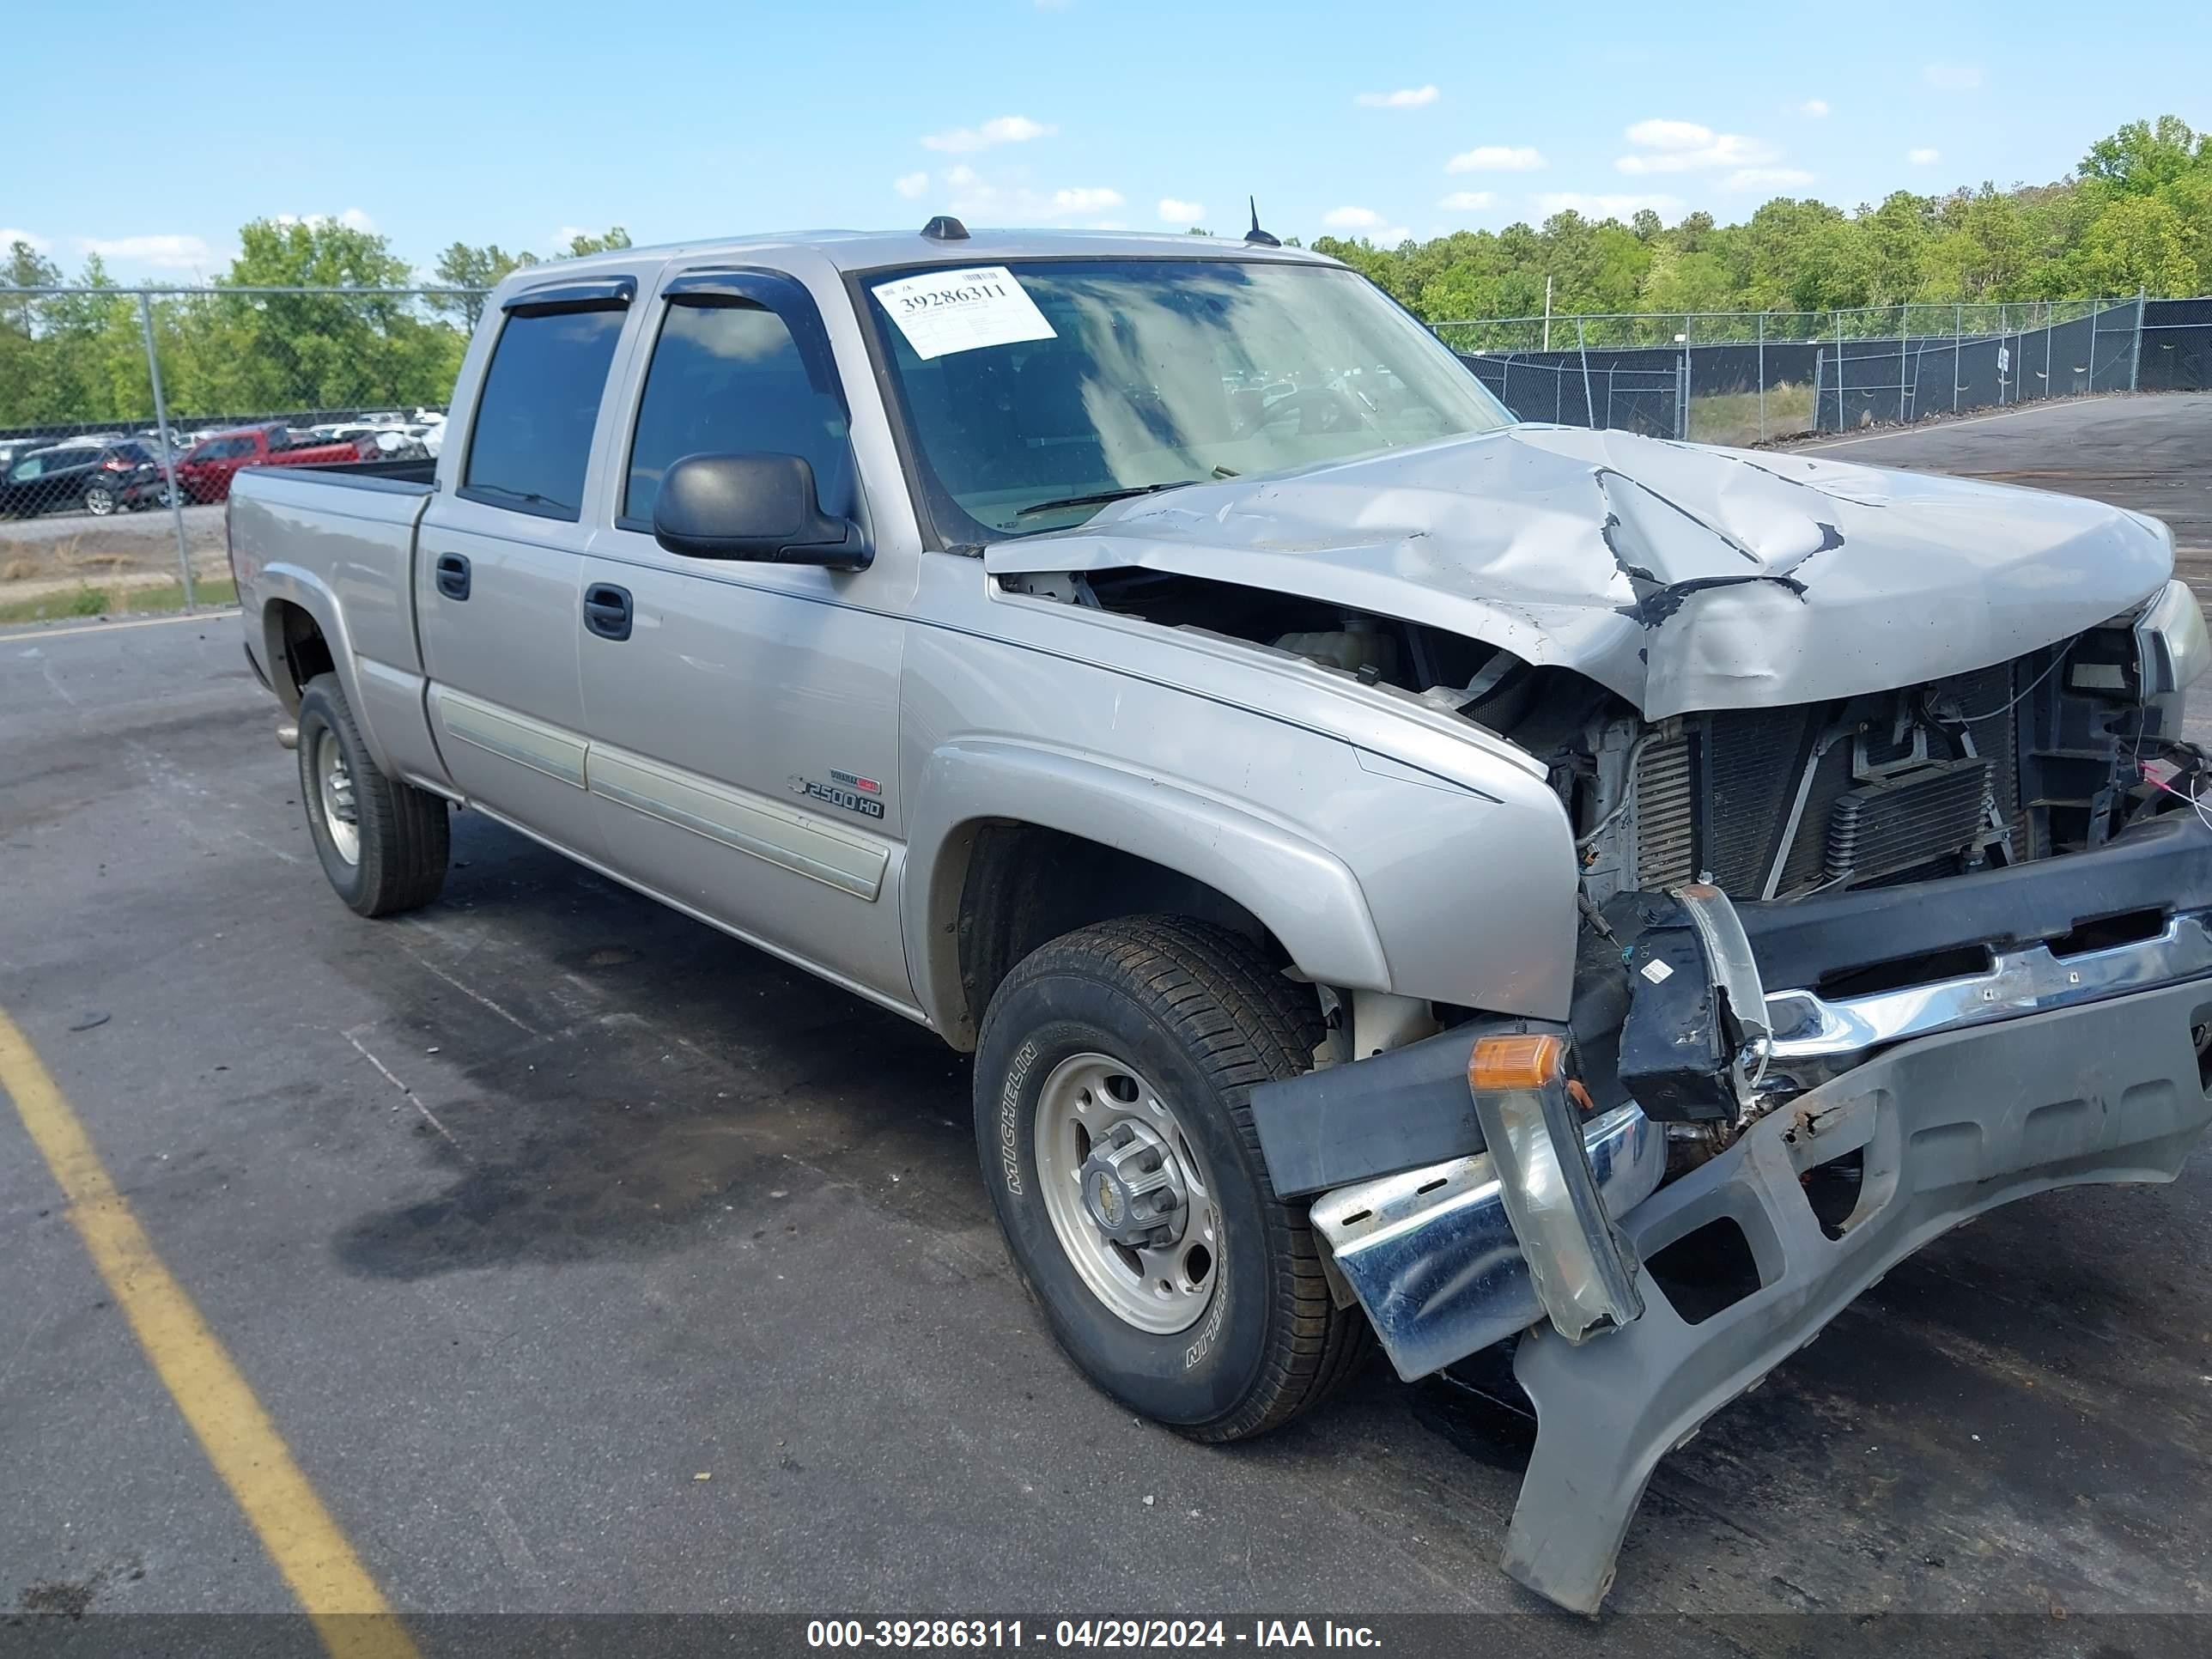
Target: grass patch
(1732,417)
(89,601)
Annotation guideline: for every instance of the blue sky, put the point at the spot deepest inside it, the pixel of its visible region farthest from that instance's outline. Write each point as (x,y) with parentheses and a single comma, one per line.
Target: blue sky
(513,123)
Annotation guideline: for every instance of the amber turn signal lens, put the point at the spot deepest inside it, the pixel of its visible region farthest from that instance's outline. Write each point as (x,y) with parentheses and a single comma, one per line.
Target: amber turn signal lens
(1514,1062)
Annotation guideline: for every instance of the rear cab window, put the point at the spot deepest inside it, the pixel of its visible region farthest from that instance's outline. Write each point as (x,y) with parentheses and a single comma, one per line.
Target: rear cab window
(530,442)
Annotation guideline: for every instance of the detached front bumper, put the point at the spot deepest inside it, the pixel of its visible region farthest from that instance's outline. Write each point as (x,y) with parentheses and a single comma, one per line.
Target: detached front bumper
(2066,1060)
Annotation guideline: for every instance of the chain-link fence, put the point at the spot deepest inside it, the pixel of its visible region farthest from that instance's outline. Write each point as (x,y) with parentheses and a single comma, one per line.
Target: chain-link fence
(126,412)
(1746,377)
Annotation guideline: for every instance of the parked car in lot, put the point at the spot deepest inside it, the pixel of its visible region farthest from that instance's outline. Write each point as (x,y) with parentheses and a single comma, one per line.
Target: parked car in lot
(205,471)
(96,478)
(13,450)
(1398,869)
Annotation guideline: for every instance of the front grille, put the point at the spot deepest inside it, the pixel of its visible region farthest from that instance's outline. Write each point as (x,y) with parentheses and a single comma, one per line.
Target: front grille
(1869,810)
(1896,822)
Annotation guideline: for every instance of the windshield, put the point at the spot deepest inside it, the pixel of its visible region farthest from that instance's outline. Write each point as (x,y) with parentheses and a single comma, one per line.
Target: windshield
(1036,392)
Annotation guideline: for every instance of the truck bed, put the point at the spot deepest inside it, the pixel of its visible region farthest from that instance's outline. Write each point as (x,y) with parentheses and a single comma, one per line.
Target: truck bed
(346,533)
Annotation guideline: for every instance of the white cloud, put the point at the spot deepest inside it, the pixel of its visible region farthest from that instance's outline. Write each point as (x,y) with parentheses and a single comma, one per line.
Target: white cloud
(352,219)
(9,236)
(1496,158)
(1467,201)
(911,185)
(975,197)
(1602,206)
(1767,179)
(999,129)
(568,233)
(161,253)
(1924,157)
(1086,199)
(1176,211)
(1953,77)
(1367,222)
(1815,107)
(1404,98)
(1685,146)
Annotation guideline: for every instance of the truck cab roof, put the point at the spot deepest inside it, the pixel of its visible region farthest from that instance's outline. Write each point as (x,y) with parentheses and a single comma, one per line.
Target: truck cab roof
(876,250)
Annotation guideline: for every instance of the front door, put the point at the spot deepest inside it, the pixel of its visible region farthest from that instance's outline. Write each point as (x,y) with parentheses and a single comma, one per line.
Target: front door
(499,569)
(743,718)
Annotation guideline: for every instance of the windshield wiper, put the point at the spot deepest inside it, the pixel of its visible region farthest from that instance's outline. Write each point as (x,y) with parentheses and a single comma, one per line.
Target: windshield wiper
(1100,498)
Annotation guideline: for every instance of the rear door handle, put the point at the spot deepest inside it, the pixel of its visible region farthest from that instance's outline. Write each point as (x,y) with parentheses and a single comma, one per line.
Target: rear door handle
(607,611)
(453,575)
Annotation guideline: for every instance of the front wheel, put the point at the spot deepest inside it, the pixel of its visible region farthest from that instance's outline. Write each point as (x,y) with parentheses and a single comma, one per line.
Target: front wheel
(384,844)
(1118,1148)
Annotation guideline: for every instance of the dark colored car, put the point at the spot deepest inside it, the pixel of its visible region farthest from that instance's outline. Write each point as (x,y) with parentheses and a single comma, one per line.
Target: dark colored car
(95,478)
(204,473)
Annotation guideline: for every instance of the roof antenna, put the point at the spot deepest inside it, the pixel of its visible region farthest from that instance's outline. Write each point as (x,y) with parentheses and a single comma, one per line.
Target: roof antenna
(1255,235)
(946,228)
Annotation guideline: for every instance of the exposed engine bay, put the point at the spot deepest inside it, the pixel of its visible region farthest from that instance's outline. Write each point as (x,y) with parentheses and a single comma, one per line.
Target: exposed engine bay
(1992,768)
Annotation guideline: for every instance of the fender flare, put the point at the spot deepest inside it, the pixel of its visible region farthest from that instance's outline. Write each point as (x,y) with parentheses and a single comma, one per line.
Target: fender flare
(302,588)
(1307,897)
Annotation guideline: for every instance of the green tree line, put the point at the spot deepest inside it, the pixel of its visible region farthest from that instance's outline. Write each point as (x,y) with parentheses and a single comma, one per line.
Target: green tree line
(81,358)
(2135,214)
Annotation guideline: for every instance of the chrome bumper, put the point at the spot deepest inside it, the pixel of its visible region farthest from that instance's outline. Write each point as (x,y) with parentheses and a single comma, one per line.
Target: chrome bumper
(1431,1254)
(1956,1096)
(1433,1257)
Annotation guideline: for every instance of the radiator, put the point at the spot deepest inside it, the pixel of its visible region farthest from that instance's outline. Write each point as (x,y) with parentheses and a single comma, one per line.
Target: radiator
(1716,801)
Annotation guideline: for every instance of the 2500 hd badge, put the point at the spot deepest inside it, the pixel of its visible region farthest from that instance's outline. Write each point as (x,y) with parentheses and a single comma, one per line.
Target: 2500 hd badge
(836,795)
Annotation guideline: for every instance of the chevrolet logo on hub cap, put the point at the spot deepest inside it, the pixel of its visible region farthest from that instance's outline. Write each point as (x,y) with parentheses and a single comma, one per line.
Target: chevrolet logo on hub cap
(1106,1198)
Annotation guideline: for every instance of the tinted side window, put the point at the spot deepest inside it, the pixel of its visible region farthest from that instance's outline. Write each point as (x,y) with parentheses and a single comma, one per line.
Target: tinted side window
(728,379)
(535,413)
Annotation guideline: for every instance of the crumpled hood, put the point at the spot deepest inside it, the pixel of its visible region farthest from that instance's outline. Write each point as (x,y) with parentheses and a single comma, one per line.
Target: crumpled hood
(1680,575)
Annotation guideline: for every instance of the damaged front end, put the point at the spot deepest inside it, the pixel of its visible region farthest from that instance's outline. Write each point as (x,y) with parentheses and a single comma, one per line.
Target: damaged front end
(1931,1048)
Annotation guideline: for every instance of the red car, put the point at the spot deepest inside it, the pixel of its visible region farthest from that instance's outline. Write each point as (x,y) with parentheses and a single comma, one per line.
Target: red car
(205,471)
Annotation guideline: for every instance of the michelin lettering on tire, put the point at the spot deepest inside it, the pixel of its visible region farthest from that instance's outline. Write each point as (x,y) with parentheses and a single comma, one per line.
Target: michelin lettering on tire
(1010,1117)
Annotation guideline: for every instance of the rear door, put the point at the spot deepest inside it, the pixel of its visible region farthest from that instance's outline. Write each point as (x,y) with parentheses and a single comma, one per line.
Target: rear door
(498,571)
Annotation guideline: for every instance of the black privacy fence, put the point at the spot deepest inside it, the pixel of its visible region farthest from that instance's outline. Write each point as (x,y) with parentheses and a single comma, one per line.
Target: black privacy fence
(1739,378)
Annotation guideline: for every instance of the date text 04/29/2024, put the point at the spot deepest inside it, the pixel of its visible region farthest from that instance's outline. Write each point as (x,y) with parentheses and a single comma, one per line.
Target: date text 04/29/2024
(1086,1633)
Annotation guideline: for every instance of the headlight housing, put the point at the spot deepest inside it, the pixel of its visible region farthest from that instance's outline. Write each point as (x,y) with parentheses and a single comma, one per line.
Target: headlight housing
(2171,644)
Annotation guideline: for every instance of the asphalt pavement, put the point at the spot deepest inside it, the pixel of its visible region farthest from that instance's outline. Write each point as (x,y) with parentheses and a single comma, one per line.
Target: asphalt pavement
(2152,454)
(523,1214)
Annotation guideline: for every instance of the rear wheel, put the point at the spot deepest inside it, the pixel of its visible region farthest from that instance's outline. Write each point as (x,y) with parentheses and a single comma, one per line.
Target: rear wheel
(384,844)
(99,500)
(1111,1087)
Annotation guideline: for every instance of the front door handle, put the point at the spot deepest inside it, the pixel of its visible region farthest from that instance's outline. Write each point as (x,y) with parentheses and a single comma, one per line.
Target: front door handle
(607,611)
(453,575)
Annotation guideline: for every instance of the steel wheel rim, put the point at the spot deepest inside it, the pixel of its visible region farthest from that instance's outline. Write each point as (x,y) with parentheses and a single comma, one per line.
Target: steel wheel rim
(334,788)
(1099,1117)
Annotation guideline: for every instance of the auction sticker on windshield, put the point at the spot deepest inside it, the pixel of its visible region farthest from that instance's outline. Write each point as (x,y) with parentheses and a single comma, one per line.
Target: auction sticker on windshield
(946,311)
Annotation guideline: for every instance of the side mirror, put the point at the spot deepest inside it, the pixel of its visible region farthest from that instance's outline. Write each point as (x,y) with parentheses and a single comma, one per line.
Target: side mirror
(754,507)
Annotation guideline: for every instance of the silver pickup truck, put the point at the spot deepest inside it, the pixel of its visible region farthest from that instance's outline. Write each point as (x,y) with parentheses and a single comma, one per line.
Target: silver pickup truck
(1404,875)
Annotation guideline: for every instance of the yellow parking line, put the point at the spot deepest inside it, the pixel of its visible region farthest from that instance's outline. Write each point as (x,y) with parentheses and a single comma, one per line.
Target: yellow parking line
(350,1613)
